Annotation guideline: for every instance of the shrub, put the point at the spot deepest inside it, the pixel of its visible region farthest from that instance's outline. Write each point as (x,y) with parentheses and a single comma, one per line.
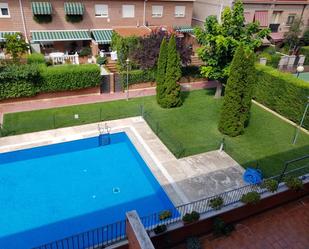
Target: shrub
(69,77)
(19,80)
(137,76)
(172,91)
(236,106)
(101,60)
(282,92)
(191,217)
(35,58)
(220,228)
(191,71)
(251,198)
(293,183)
(271,185)
(193,243)
(85,52)
(160,229)
(306,37)
(165,215)
(216,203)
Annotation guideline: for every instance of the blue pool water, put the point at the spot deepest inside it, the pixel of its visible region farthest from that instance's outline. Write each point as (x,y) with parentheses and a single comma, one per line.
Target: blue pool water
(51,192)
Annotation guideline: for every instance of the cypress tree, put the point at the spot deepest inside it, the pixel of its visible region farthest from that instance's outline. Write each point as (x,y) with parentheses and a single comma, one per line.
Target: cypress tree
(172,90)
(161,70)
(238,94)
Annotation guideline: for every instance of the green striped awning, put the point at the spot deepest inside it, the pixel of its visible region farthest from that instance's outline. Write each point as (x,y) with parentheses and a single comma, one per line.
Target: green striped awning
(102,36)
(73,8)
(60,35)
(41,8)
(183,29)
(3,33)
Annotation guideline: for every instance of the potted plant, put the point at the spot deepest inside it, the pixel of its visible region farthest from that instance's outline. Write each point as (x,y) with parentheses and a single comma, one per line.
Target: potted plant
(293,183)
(216,203)
(160,229)
(190,217)
(85,53)
(271,185)
(166,214)
(251,198)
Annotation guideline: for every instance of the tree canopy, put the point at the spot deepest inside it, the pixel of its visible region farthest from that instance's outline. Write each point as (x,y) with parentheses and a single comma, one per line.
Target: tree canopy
(15,45)
(238,93)
(219,41)
(291,38)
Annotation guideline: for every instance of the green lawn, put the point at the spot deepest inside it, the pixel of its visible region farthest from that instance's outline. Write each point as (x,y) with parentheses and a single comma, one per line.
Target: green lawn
(192,127)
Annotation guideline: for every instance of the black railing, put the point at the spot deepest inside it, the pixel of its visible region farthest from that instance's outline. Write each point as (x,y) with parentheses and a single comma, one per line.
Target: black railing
(116,232)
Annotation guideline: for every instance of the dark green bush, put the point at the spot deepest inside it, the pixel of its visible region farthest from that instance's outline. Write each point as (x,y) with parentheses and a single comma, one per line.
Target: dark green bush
(293,183)
(69,77)
(191,217)
(101,60)
(216,203)
(191,71)
(271,185)
(19,80)
(85,52)
(35,58)
(282,92)
(305,51)
(221,228)
(193,243)
(306,37)
(251,198)
(137,76)
(160,229)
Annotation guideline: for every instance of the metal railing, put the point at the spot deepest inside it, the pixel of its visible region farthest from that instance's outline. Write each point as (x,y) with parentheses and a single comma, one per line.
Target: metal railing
(116,232)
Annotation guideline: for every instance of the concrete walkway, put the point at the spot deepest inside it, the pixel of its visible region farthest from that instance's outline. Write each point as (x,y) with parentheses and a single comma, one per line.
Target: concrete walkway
(184,180)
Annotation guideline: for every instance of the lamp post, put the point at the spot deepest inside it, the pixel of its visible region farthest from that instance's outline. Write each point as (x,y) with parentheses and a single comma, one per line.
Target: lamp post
(127,62)
(302,121)
(299,70)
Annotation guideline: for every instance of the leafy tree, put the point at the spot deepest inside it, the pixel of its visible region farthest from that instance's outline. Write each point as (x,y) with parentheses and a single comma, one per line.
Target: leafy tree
(161,70)
(15,45)
(306,37)
(238,94)
(291,38)
(172,91)
(147,53)
(219,41)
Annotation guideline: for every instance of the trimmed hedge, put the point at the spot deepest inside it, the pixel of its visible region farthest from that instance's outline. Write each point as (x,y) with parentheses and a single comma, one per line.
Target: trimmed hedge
(69,77)
(18,81)
(282,92)
(28,80)
(138,76)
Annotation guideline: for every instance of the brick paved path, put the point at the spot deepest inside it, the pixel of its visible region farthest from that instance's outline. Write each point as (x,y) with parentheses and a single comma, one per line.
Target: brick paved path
(286,227)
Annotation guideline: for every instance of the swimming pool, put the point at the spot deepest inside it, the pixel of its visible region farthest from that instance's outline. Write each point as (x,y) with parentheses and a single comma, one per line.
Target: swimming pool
(55,191)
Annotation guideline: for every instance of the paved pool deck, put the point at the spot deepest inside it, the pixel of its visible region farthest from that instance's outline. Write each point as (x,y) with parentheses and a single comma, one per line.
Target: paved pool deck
(184,180)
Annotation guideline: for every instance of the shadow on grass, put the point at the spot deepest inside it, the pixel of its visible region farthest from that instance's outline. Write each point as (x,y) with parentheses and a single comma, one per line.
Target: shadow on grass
(184,95)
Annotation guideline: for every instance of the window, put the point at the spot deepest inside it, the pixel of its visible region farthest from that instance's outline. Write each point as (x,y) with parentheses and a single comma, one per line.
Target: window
(180,11)
(101,10)
(291,19)
(128,11)
(157,11)
(4,10)
(275,19)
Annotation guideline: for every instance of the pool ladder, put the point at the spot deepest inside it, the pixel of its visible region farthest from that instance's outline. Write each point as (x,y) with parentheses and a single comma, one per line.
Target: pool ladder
(104,134)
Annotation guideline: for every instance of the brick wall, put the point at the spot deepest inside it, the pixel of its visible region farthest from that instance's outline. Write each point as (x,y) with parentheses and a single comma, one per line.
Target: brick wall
(90,21)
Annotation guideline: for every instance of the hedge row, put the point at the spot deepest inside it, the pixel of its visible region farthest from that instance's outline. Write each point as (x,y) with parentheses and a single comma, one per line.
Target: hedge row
(28,80)
(137,76)
(282,92)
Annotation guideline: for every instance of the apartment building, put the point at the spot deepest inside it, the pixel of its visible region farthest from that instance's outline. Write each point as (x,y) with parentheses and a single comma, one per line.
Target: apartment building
(53,24)
(278,15)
